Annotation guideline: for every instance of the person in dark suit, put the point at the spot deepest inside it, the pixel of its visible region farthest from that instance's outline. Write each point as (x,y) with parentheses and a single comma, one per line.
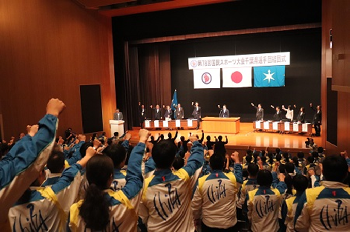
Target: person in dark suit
(219,147)
(197,114)
(259,112)
(224,112)
(168,113)
(142,114)
(317,119)
(157,112)
(301,115)
(179,112)
(278,115)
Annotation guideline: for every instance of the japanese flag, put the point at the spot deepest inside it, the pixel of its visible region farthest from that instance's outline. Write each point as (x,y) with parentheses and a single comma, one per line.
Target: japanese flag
(237,77)
(206,78)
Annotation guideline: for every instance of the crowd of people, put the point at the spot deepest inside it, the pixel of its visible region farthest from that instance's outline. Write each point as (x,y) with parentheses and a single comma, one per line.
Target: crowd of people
(72,183)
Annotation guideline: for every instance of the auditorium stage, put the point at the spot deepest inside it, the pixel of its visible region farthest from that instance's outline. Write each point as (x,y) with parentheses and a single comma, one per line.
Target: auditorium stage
(247,138)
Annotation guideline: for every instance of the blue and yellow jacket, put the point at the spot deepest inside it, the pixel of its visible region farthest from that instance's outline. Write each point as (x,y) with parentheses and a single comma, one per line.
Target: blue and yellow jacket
(324,208)
(124,203)
(166,198)
(47,207)
(214,200)
(20,167)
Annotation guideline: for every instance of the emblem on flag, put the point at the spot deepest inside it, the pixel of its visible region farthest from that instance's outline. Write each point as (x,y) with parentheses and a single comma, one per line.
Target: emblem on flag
(206,78)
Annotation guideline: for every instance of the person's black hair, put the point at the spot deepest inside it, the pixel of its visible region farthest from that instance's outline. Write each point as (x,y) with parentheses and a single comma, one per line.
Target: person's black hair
(161,137)
(335,168)
(270,155)
(301,155)
(178,162)
(57,139)
(256,155)
(116,134)
(278,157)
(182,138)
(278,151)
(216,162)
(163,154)
(109,141)
(170,135)
(84,147)
(249,159)
(264,178)
(208,138)
(288,180)
(245,173)
(220,138)
(286,157)
(282,168)
(95,207)
(289,167)
(4,149)
(315,155)
(117,153)
(249,152)
(295,161)
(300,183)
(152,138)
(310,159)
(320,149)
(263,159)
(55,163)
(253,169)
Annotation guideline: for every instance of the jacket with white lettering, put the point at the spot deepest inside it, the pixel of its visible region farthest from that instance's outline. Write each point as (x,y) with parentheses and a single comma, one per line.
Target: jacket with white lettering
(166,198)
(124,203)
(47,208)
(263,208)
(21,165)
(324,208)
(248,185)
(215,198)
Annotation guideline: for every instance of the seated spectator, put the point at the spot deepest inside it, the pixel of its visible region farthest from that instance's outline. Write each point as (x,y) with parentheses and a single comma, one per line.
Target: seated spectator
(214,201)
(167,195)
(324,208)
(106,210)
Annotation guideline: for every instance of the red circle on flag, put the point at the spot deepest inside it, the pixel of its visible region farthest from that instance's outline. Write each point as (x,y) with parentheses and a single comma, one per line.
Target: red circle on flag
(236,77)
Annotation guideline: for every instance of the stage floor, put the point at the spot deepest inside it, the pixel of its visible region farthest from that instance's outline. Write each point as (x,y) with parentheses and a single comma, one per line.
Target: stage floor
(246,137)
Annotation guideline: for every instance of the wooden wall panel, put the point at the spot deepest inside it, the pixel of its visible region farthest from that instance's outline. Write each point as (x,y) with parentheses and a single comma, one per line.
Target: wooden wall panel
(48,49)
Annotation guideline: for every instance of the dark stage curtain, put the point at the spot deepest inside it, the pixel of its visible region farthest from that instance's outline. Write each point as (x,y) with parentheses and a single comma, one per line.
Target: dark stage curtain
(147,79)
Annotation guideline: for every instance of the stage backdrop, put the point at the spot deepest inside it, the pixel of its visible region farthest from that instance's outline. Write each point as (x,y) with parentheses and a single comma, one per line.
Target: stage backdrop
(302,77)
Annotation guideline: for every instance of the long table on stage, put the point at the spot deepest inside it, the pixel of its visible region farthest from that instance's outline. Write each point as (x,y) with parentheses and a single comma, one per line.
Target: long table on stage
(221,125)
(172,124)
(283,127)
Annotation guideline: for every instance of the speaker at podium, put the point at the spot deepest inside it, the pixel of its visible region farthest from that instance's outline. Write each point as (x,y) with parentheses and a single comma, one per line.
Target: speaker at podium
(117,126)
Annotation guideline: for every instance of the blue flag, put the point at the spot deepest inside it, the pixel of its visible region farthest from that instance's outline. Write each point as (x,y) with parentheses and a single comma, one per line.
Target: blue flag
(174,101)
(269,76)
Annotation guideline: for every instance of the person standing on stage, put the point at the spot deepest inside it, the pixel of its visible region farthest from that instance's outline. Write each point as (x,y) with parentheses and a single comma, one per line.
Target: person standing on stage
(290,112)
(259,112)
(301,115)
(278,115)
(197,114)
(224,112)
(157,112)
(168,113)
(142,114)
(117,115)
(179,112)
(317,119)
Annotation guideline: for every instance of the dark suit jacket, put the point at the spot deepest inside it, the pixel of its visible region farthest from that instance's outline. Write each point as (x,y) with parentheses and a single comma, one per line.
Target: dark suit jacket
(317,119)
(168,113)
(197,113)
(277,116)
(301,118)
(259,113)
(157,115)
(225,114)
(142,114)
(179,113)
